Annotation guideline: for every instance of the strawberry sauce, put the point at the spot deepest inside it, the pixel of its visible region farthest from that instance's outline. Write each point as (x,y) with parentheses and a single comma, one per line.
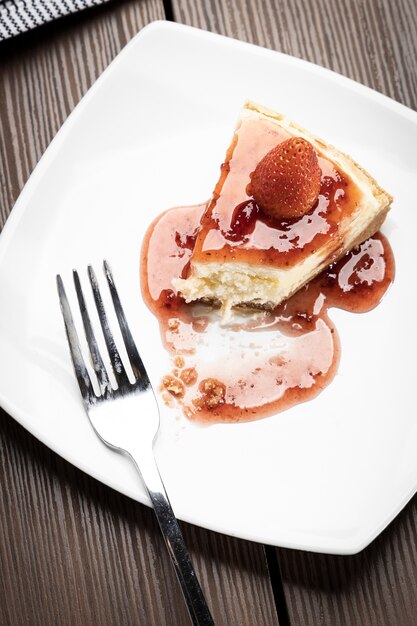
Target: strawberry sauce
(262,362)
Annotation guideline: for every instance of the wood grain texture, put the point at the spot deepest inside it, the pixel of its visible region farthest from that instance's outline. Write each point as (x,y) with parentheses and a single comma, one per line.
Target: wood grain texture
(376,587)
(374,42)
(371,41)
(73,552)
(44,74)
(76,553)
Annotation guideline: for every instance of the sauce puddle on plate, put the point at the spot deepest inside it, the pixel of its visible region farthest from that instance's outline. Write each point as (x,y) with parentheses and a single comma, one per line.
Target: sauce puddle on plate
(262,362)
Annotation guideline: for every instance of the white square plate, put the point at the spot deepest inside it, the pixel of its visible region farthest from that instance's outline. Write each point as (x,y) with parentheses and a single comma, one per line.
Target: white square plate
(327,475)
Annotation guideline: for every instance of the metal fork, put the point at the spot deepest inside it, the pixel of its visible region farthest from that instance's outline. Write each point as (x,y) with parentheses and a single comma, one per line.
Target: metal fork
(126,418)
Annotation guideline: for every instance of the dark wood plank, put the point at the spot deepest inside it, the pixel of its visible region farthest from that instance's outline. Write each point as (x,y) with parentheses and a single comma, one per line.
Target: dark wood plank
(71,550)
(76,553)
(45,72)
(374,42)
(376,587)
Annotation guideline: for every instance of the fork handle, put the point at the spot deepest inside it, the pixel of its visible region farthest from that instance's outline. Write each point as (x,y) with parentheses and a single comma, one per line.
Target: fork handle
(168,523)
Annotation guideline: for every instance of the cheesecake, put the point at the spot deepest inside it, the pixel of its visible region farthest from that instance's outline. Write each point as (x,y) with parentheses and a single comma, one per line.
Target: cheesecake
(265,232)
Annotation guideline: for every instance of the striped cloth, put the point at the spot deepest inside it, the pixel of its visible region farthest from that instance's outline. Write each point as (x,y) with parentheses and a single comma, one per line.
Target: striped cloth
(18,16)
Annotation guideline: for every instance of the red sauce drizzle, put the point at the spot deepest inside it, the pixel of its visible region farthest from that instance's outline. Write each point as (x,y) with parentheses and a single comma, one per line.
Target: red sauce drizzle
(266,361)
(250,236)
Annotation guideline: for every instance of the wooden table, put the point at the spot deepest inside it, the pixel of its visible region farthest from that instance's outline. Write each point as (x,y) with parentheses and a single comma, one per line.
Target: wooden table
(74,552)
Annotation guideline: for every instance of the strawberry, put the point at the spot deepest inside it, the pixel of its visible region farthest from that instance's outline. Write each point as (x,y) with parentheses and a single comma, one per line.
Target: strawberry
(286,182)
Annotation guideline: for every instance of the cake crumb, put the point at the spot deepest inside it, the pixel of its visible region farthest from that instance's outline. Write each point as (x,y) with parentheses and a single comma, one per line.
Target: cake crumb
(189,376)
(188,412)
(168,399)
(173,385)
(213,394)
(179,361)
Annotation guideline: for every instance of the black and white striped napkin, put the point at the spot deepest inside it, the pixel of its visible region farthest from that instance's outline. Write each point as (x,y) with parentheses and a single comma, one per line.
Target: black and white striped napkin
(18,16)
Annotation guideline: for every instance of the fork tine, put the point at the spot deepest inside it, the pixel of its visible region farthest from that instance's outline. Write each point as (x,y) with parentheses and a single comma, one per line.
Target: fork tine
(116,361)
(99,367)
(133,354)
(81,372)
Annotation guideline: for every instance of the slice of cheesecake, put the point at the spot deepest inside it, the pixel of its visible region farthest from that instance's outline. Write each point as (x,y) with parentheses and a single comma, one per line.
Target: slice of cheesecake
(245,255)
